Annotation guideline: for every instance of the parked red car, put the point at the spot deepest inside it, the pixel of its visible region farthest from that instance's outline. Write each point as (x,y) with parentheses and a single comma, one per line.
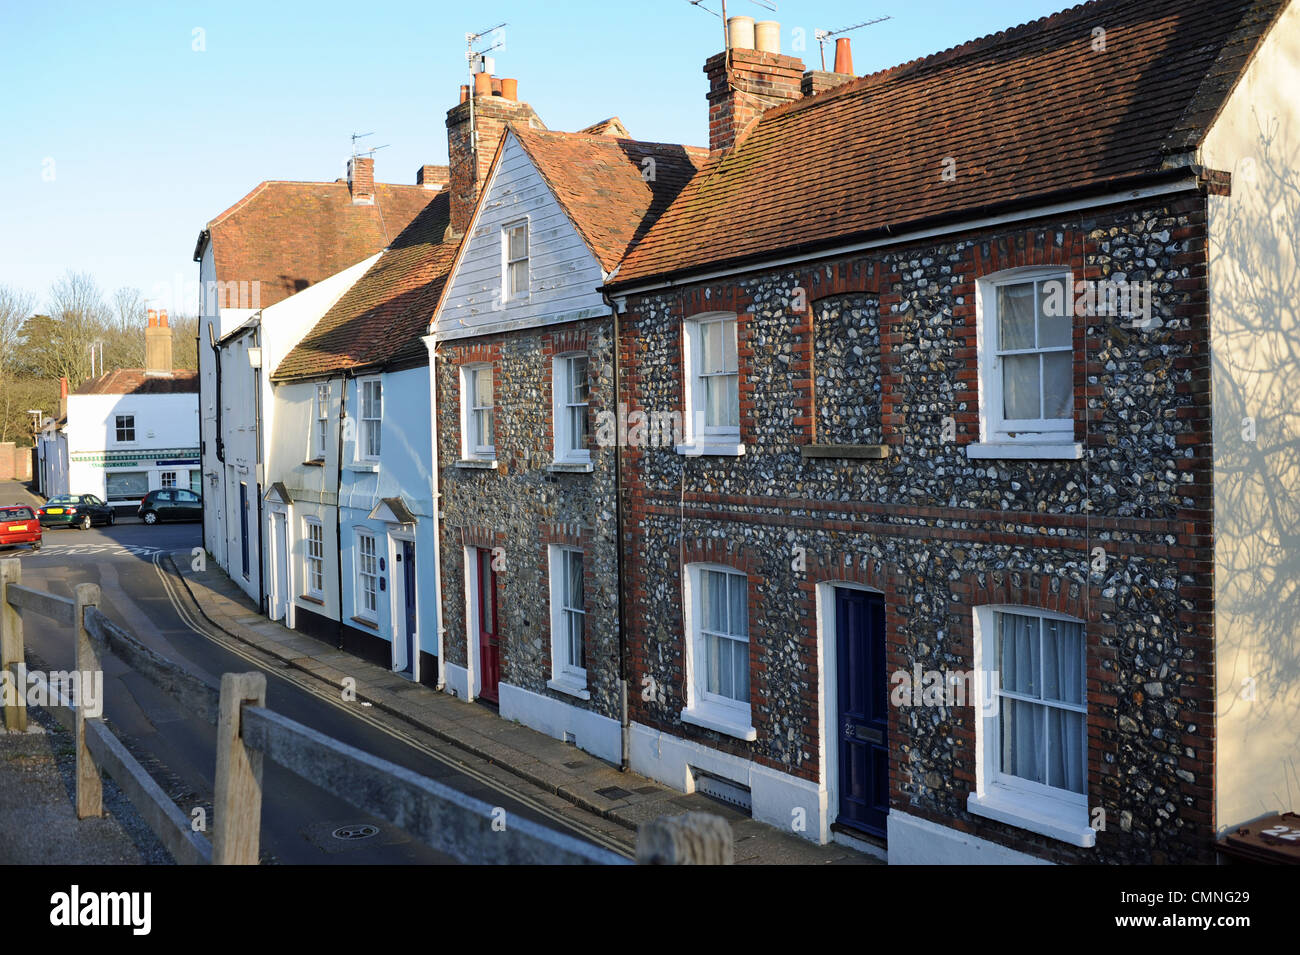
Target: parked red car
(19,525)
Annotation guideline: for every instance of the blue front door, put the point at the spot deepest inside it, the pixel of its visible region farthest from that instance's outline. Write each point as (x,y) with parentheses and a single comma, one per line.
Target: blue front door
(863,723)
(408,575)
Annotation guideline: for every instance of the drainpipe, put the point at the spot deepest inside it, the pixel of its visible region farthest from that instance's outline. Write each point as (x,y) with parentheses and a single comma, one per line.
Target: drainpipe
(624,722)
(338,502)
(259,477)
(431,343)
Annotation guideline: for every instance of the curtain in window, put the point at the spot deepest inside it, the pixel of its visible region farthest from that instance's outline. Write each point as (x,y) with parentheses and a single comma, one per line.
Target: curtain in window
(1063,674)
(1021,722)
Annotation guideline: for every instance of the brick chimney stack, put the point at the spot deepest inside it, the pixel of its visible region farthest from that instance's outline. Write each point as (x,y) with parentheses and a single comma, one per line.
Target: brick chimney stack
(745,82)
(157,345)
(361,180)
(495,106)
(432,177)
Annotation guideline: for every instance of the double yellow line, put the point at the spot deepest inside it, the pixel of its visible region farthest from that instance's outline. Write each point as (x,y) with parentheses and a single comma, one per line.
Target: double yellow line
(172,588)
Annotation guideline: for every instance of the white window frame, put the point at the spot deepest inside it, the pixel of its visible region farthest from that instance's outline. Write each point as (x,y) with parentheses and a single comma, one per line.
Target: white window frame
(565,676)
(370,425)
(703,708)
(1001,437)
(507,262)
(1058,813)
(471,446)
(322,424)
(367,576)
(313,563)
(699,437)
(562,389)
(130,415)
(162,479)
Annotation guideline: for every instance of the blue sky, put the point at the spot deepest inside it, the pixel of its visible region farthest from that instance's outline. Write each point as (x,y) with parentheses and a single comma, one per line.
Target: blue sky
(123,139)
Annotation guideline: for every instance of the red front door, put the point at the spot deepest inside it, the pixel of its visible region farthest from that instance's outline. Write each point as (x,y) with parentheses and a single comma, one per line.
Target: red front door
(489,638)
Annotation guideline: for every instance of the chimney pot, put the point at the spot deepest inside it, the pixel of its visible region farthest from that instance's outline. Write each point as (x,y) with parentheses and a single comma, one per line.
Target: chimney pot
(740,33)
(464,92)
(510,89)
(767,36)
(153,317)
(162,318)
(843,56)
(482,84)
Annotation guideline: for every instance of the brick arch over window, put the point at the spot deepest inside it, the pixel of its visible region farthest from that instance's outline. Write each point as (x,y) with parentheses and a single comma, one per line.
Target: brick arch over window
(710,550)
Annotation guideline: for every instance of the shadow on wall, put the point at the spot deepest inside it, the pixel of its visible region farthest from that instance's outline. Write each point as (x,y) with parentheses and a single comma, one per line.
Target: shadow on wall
(1256,367)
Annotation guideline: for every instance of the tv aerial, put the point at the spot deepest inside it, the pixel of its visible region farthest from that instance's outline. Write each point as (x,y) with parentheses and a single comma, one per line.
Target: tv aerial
(823,35)
(369,152)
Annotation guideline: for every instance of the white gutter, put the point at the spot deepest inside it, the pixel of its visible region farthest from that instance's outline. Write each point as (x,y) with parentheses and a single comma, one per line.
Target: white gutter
(1038,212)
(431,343)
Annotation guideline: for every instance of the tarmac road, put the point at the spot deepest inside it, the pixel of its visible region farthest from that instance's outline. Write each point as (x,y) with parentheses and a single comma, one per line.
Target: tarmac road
(300,821)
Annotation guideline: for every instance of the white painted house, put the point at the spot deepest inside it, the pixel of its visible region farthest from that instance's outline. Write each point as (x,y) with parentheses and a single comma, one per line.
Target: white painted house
(277,241)
(247,421)
(133,430)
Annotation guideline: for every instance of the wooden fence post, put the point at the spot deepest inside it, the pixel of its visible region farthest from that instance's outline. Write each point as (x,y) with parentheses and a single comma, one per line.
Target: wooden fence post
(238,797)
(693,838)
(12,654)
(90,787)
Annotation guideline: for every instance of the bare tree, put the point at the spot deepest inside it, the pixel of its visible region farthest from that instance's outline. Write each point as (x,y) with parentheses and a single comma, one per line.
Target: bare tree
(15,308)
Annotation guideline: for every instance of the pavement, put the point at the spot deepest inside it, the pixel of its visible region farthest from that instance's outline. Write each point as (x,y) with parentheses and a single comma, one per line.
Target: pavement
(623,799)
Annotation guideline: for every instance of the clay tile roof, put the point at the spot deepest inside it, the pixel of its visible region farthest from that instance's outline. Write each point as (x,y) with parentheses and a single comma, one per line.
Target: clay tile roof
(380,320)
(289,235)
(608,127)
(606,186)
(134,381)
(1026,114)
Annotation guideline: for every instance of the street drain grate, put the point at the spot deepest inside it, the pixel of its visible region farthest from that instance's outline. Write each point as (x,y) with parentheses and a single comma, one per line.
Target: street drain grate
(613,792)
(351,833)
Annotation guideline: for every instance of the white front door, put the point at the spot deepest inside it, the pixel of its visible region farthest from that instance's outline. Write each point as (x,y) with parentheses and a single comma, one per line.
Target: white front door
(280,585)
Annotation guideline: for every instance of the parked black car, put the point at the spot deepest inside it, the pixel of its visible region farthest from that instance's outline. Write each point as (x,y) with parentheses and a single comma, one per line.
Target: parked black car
(171,504)
(74,510)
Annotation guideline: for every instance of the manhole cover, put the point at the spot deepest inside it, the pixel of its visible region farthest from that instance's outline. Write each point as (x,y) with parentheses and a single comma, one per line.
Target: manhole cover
(613,793)
(355,832)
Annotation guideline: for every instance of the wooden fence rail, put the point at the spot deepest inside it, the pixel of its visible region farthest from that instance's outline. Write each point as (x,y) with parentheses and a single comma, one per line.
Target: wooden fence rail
(441,817)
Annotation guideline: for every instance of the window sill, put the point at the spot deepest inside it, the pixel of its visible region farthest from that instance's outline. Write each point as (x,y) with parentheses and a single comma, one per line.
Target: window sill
(369,467)
(569,687)
(1040,814)
(372,624)
(482,464)
(1071,451)
(312,600)
(870,452)
(571,467)
(314,463)
(708,448)
(712,718)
